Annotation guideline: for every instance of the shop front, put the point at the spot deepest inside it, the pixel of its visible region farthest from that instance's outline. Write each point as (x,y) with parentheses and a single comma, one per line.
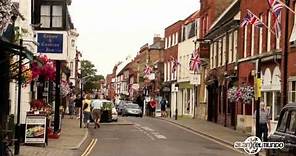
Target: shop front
(271,87)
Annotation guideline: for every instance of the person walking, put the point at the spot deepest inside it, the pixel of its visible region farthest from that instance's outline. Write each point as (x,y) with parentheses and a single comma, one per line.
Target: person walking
(153,106)
(96,106)
(78,105)
(163,104)
(86,111)
(71,106)
(264,122)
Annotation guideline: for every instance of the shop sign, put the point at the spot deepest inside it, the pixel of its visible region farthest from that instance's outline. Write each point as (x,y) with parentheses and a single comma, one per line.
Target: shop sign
(195,79)
(50,43)
(35,129)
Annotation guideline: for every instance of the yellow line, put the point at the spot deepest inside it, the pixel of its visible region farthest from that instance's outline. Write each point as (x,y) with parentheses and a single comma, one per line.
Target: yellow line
(88,147)
(93,145)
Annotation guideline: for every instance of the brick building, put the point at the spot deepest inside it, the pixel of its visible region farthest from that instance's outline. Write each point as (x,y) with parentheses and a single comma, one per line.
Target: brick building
(222,74)
(172,36)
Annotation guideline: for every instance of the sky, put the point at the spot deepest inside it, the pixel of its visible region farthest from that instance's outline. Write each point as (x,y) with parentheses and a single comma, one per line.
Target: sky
(111,30)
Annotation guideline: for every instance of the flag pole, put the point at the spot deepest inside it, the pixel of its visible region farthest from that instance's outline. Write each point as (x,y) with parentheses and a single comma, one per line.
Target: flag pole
(261,22)
(286,6)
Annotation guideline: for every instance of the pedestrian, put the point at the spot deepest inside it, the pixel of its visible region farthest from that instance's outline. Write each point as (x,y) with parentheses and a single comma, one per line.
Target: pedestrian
(71,106)
(96,106)
(78,105)
(140,102)
(86,111)
(163,104)
(264,121)
(153,106)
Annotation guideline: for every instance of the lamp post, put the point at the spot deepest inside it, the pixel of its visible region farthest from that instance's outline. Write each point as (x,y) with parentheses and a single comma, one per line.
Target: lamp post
(17,127)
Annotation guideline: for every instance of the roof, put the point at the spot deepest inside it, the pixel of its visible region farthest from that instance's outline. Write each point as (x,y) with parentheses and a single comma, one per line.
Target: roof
(235,3)
(192,17)
(225,21)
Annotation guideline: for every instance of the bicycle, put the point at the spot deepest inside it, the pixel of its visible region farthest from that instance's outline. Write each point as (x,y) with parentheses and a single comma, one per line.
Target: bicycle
(6,141)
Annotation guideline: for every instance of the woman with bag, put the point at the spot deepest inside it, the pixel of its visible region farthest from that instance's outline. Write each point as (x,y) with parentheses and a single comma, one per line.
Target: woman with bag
(86,111)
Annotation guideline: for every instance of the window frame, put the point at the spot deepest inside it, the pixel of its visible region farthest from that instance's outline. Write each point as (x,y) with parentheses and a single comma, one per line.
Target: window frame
(63,17)
(283,113)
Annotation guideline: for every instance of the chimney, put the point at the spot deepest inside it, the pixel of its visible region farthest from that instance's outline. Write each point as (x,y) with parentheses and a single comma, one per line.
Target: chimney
(156,38)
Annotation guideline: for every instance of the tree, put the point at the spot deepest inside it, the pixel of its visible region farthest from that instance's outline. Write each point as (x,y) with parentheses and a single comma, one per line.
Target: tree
(93,82)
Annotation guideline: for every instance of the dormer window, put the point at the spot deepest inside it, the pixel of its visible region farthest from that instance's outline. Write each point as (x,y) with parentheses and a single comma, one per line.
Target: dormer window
(51,16)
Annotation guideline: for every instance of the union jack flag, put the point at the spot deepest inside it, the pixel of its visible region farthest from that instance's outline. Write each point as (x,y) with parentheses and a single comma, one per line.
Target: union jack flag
(176,63)
(275,8)
(194,62)
(147,70)
(250,18)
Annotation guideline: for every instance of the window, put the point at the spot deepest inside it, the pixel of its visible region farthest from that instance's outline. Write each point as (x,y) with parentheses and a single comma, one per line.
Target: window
(260,36)
(252,39)
(292,125)
(230,44)
(51,16)
(220,53)
(212,56)
(57,16)
(245,40)
(169,42)
(177,38)
(165,71)
(234,45)
(45,16)
(190,30)
(292,91)
(173,39)
(268,32)
(165,43)
(224,51)
(283,122)
(293,34)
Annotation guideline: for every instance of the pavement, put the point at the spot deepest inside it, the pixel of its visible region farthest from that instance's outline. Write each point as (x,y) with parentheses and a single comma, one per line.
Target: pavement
(71,142)
(211,130)
(68,144)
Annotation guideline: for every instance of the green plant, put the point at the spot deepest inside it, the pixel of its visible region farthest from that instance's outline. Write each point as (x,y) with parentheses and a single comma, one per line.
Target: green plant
(107,106)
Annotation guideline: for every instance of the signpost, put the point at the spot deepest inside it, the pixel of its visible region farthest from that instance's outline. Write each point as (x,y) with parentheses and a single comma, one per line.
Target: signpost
(35,129)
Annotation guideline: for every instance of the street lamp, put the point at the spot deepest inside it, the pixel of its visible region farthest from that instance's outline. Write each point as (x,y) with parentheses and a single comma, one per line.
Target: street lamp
(17,127)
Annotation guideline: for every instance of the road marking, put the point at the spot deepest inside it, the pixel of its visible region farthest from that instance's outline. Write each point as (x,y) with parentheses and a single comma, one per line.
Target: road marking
(148,130)
(220,143)
(141,130)
(89,147)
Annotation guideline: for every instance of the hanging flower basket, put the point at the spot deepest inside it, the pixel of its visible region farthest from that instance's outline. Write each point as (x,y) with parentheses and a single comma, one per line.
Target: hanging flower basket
(232,94)
(46,71)
(244,94)
(65,88)
(247,94)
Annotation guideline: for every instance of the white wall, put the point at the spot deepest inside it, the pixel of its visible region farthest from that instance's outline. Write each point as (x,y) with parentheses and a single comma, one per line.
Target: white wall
(185,48)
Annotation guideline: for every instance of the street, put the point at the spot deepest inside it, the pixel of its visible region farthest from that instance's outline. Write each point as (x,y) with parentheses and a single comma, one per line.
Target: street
(149,136)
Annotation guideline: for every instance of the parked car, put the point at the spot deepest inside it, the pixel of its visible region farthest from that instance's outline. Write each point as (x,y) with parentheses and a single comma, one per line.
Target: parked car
(132,109)
(285,132)
(108,111)
(121,105)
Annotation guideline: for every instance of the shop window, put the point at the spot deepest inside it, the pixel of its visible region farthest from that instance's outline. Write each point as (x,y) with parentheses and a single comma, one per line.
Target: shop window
(292,91)
(277,106)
